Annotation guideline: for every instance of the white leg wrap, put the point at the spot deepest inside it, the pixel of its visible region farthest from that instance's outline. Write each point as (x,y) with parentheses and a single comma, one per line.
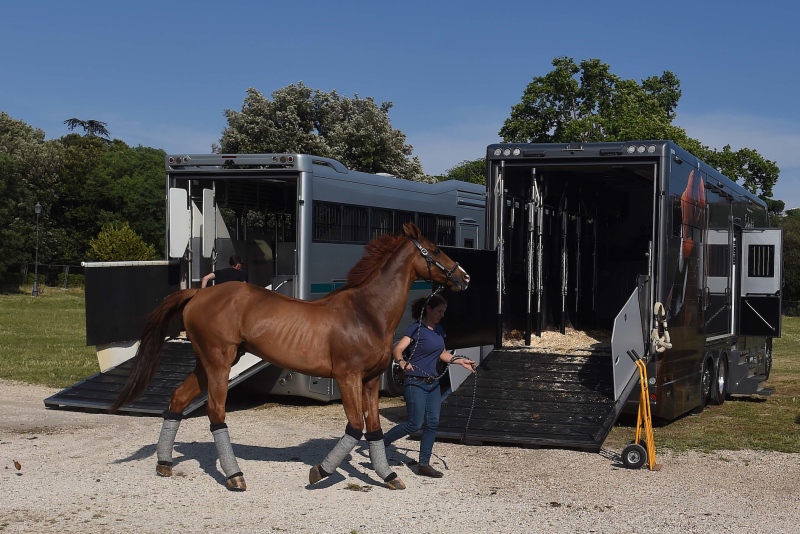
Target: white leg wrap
(166,440)
(377,454)
(225,452)
(339,453)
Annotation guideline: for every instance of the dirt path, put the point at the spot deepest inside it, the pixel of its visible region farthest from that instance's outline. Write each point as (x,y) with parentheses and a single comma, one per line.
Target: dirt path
(82,472)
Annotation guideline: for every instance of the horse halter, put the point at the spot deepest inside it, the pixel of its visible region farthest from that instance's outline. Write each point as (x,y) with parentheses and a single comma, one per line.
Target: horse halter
(425,254)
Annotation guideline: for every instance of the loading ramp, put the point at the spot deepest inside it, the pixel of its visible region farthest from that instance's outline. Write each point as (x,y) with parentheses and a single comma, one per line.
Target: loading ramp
(538,399)
(98,392)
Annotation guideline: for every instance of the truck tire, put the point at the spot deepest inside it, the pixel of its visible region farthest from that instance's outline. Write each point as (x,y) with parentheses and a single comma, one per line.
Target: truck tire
(394,380)
(706,386)
(720,385)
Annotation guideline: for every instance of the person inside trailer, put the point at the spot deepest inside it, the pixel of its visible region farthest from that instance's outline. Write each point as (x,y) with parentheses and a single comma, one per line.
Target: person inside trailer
(233,273)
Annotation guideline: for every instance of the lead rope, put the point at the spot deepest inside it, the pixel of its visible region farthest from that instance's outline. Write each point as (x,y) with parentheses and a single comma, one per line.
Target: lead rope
(472,406)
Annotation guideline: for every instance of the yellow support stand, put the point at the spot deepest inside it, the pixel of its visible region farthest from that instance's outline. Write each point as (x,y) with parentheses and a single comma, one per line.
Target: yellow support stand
(635,455)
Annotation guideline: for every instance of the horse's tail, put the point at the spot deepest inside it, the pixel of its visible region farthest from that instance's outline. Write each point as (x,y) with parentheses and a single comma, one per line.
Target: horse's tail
(145,363)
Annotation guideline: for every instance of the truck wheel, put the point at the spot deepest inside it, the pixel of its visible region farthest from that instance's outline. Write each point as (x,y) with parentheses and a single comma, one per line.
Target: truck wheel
(768,364)
(720,385)
(706,380)
(634,456)
(394,380)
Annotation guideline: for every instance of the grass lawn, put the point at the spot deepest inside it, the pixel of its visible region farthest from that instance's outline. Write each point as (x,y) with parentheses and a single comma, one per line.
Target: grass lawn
(43,341)
(761,423)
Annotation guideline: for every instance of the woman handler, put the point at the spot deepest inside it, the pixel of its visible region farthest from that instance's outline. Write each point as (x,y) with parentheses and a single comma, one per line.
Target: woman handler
(424,342)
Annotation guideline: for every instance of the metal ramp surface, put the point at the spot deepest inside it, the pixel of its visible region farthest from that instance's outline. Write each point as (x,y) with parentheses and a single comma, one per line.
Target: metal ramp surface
(540,399)
(98,392)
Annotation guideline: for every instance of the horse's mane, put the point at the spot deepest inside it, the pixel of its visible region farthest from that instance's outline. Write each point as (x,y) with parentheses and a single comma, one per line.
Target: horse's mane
(375,254)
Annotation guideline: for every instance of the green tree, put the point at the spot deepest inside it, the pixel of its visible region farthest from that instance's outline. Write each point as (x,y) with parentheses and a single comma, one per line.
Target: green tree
(468,171)
(91,128)
(791,255)
(132,183)
(355,131)
(109,182)
(586,102)
(30,173)
(118,242)
(747,166)
(79,203)
(16,237)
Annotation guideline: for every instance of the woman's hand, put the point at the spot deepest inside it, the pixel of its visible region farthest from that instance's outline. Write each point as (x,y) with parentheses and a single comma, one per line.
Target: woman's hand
(405,365)
(463,361)
(468,364)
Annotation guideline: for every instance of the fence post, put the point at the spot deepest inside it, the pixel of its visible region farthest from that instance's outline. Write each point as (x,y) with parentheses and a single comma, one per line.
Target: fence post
(66,277)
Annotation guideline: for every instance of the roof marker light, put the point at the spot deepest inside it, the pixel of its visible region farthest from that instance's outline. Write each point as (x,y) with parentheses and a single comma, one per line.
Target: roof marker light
(640,149)
(507,152)
(517,151)
(497,151)
(631,149)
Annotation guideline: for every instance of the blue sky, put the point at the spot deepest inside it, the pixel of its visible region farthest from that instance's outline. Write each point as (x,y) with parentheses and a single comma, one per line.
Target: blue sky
(161,73)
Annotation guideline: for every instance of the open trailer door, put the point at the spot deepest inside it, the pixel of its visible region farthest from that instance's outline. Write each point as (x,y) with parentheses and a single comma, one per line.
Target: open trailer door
(762,277)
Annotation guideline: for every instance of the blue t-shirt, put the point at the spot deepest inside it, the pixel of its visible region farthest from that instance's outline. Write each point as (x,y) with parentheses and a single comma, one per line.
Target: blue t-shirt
(427,352)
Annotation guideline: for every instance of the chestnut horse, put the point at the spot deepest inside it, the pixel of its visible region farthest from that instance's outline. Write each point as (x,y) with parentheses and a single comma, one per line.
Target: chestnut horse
(346,335)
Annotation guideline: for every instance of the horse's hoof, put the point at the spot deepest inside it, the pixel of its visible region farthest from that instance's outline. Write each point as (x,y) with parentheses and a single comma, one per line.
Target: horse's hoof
(315,474)
(396,484)
(236,483)
(164,470)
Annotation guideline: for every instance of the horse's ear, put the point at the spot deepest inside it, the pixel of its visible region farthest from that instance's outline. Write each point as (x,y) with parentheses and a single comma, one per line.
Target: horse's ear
(410,230)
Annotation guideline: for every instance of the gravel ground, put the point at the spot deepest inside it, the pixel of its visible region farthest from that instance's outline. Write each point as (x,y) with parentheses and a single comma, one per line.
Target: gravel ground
(83,472)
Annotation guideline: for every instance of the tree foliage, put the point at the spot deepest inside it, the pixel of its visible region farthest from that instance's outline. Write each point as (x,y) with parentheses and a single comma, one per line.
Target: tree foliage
(14,231)
(118,242)
(29,173)
(82,183)
(586,102)
(91,128)
(355,131)
(105,183)
(791,255)
(473,171)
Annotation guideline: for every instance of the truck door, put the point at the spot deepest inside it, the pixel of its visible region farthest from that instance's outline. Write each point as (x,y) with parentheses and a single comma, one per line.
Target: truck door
(179,227)
(762,277)
(209,224)
(719,295)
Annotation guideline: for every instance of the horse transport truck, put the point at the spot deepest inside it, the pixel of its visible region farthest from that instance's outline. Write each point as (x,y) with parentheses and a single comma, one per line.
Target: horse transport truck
(299,222)
(608,252)
(583,256)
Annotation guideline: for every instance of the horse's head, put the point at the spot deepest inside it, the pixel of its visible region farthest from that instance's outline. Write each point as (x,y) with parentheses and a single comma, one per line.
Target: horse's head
(432,264)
